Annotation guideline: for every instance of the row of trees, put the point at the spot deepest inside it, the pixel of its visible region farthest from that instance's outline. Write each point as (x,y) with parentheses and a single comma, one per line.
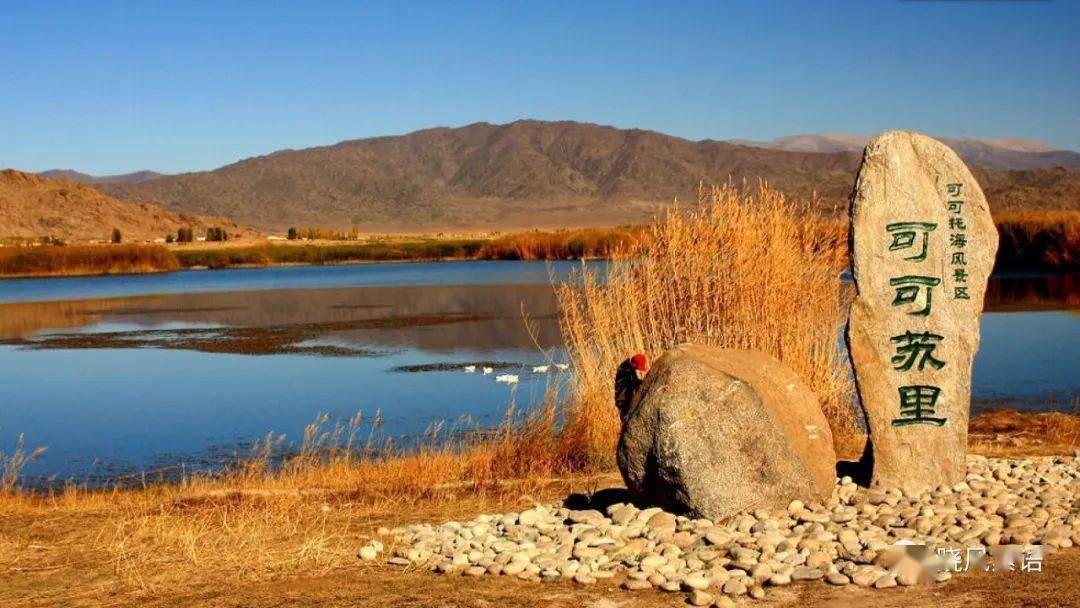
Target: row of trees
(187,235)
(325,234)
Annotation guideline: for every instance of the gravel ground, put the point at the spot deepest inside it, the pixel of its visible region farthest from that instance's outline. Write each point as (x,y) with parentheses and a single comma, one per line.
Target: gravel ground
(851,540)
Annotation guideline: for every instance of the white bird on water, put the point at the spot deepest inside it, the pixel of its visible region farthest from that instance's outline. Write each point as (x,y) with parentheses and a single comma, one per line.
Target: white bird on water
(562,366)
(507,378)
(486,371)
(540,369)
(470,369)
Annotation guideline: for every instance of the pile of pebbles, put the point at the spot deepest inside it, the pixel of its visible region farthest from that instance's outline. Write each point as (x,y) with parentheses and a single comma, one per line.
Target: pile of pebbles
(851,540)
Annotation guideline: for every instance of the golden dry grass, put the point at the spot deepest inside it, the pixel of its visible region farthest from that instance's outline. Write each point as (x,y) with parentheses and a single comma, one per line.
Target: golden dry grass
(102,259)
(744,270)
(271,514)
(559,245)
(1038,239)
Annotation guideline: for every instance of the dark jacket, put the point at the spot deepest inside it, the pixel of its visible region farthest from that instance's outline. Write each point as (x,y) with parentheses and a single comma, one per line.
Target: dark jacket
(627,384)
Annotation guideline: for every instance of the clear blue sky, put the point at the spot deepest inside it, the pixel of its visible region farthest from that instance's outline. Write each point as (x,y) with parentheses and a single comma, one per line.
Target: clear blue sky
(108,87)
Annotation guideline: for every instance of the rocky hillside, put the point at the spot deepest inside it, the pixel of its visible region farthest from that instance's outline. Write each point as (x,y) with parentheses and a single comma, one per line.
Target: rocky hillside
(32,206)
(523,174)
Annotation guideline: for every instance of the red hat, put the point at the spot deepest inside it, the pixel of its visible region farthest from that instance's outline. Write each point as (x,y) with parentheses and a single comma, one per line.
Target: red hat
(640,362)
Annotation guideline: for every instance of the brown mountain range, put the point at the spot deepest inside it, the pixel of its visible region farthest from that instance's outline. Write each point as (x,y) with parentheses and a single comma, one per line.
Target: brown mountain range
(32,206)
(1005,154)
(525,174)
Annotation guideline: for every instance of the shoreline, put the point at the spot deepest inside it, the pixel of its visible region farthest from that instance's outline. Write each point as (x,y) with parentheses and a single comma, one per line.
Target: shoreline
(106,273)
(997,428)
(250,537)
(1032,271)
(1030,242)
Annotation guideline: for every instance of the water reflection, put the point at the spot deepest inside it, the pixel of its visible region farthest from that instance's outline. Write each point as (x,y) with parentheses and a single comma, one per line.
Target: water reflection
(438,319)
(1024,291)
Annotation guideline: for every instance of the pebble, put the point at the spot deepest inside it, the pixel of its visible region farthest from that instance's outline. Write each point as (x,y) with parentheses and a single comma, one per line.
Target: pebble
(734,586)
(836,578)
(696,581)
(847,540)
(700,598)
(885,581)
(583,579)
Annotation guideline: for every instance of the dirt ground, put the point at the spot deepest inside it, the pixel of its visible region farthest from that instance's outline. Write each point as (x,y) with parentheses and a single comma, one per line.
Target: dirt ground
(1058,585)
(54,561)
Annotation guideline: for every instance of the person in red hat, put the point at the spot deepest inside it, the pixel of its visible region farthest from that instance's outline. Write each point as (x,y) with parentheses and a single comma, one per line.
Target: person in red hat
(628,379)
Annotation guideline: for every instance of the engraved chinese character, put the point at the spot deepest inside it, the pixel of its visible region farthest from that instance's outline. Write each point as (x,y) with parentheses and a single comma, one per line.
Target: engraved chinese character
(961,293)
(956,206)
(916,349)
(914,289)
(917,405)
(959,258)
(959,275)
(954,188)
(957,223)
(904,235)
(958,239)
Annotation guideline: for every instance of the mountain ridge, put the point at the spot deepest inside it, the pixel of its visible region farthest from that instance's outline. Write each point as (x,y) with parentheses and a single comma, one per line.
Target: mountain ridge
(527,173)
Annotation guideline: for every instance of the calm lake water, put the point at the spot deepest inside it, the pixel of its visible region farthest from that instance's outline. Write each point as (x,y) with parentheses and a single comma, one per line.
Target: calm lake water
(117,375)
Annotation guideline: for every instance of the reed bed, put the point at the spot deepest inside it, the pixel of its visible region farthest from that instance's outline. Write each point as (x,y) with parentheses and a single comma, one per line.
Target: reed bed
(1038,240)
(265,255)
(745,269)
(78,260)
(1035,240)
(560,245)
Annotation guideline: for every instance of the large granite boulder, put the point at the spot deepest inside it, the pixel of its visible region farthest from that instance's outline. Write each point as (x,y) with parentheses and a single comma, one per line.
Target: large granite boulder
(717,431)
(923,247)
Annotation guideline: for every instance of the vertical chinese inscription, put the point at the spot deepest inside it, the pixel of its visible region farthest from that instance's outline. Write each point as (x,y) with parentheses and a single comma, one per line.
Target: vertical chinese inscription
(923,245)
(957,239)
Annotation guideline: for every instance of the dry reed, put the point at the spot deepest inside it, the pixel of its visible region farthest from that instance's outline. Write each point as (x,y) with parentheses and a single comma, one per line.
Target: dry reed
(67,260)
(746,269)
(11,466)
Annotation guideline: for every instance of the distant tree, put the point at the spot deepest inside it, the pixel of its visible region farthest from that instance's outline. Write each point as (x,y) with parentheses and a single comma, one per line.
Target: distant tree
(215,233)
(293,233)
(116,236)
(185,235)
(169,238)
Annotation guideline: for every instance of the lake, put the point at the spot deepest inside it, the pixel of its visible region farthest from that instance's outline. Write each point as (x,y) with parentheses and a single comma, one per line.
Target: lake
(123,374)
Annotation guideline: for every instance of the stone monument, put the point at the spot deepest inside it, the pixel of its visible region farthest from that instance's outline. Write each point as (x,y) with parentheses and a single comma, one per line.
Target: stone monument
(923,245)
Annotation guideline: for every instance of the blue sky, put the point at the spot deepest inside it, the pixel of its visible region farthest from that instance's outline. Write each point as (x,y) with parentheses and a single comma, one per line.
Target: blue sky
(109,87)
